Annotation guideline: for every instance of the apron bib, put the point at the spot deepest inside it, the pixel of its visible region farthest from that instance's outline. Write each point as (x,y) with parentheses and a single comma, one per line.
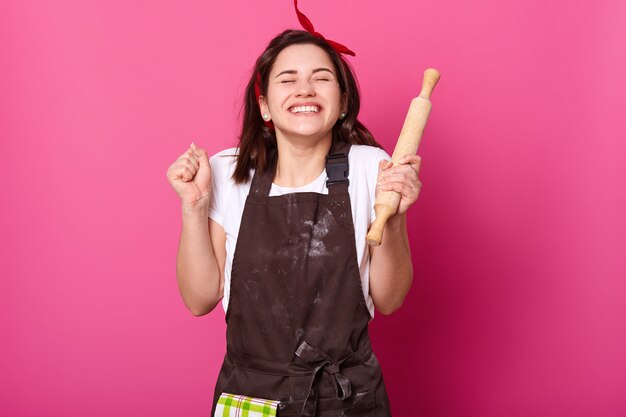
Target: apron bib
(297,322)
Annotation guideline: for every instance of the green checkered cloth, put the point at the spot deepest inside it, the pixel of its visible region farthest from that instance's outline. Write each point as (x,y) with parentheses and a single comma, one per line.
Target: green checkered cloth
(231,405)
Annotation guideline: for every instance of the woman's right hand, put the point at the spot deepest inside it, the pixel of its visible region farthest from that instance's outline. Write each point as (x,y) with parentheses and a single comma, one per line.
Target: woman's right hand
(190,176)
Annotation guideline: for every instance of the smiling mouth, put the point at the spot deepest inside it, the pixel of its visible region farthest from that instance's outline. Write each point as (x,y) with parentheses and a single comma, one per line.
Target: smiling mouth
(304,109)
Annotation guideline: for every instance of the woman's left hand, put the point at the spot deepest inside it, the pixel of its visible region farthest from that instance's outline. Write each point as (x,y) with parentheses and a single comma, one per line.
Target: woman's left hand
(401,178)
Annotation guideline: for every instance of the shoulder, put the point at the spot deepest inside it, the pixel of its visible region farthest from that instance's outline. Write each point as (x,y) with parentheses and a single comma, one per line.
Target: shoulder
(223,163)
(363,160)
(366,155)
(225,155)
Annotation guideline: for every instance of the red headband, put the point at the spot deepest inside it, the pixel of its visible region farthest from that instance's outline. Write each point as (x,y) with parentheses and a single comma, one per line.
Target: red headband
(306,24)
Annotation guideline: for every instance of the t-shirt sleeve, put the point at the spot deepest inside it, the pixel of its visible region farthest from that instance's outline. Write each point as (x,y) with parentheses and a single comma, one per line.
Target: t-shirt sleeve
(219,187)
(373,178)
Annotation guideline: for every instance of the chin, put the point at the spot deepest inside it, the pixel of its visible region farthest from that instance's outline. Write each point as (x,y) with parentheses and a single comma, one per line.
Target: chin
(303,131)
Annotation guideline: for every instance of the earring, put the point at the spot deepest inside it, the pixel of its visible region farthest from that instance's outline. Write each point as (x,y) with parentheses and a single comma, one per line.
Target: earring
(342,115)
(266,116)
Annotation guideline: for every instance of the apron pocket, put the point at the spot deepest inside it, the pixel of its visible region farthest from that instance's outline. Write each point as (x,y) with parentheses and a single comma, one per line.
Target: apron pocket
(357,405)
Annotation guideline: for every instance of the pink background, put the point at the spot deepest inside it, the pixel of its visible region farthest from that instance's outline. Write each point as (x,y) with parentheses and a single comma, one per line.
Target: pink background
(518,304)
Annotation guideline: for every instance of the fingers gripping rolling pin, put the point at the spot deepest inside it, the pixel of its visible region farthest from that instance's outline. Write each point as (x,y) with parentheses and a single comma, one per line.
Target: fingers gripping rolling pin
(410,136)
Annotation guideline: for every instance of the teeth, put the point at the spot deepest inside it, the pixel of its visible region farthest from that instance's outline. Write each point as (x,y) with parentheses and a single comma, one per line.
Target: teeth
(302,109)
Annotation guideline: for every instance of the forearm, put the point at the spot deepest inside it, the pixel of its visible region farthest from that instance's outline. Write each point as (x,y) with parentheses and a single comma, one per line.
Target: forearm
(197,270)
(391,268)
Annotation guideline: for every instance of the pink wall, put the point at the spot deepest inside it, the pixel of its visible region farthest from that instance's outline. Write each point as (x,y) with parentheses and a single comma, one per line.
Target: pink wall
(519,300)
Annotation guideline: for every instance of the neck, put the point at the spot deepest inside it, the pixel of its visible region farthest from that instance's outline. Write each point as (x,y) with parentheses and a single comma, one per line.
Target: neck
(300,162)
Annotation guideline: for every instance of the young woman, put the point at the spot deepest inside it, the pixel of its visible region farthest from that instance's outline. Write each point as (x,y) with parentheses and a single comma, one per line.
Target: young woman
(284,245)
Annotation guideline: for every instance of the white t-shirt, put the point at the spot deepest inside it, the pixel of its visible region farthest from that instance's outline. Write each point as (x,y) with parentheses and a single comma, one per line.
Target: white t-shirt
(228,200)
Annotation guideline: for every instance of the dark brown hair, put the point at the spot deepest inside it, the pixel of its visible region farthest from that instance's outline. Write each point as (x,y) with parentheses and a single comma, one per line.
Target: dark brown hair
(257,141)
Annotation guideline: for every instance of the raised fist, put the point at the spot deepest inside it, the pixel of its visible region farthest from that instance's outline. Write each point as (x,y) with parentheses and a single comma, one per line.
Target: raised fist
(190,176)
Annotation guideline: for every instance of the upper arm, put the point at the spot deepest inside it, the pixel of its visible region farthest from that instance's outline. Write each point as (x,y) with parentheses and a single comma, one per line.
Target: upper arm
(221,186)
(218,241)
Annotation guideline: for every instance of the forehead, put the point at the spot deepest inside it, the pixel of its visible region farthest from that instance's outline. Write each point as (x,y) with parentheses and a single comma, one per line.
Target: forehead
(301,57)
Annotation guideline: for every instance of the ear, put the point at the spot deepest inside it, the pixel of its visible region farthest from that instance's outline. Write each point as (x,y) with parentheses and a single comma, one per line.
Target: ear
(263,105)
(344,102)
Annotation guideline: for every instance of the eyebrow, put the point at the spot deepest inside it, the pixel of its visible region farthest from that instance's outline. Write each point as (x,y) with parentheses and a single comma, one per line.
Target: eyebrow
(295,72)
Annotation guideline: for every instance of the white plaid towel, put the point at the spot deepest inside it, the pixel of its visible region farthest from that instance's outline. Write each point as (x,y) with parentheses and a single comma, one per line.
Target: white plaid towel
(231,405)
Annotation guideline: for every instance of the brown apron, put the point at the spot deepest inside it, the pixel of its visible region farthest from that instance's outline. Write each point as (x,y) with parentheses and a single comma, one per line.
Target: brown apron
(297,322)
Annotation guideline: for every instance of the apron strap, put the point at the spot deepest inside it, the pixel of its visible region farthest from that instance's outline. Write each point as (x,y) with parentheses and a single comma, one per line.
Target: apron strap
(262,183)
(337,168)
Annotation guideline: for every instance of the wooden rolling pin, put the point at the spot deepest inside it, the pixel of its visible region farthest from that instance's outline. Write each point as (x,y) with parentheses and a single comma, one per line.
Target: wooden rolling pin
(409,140)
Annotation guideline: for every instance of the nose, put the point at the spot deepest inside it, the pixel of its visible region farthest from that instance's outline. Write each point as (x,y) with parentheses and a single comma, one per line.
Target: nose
(305,88)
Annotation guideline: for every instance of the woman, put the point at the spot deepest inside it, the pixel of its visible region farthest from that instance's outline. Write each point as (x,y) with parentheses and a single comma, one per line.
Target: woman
(284,248)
